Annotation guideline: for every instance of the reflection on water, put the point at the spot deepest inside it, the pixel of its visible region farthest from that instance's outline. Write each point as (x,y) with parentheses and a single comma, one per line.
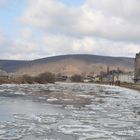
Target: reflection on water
(69,111)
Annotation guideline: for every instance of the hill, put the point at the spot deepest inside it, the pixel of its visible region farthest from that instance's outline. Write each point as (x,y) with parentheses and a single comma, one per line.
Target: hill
(68,64)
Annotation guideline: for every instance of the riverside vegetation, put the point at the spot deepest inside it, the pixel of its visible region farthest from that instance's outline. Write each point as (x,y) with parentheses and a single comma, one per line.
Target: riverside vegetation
(42,78)
(48,77)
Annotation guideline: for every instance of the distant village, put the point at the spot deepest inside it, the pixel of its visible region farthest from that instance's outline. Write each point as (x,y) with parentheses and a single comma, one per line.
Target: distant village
(110,76)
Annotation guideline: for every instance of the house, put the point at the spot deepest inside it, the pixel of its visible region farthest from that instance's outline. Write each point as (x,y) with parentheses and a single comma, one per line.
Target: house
(115,76)
(126,77)
(3,74)
(98,78)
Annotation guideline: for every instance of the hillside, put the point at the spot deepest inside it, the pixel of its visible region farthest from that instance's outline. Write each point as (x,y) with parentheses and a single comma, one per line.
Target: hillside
(68,64)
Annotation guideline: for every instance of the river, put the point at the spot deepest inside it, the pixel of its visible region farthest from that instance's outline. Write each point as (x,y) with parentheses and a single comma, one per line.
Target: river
(69,111)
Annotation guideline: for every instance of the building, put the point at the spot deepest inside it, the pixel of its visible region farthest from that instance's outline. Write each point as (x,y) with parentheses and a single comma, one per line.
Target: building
(115,76)
(126,77)
(98,78)
(3,74)
(137,68)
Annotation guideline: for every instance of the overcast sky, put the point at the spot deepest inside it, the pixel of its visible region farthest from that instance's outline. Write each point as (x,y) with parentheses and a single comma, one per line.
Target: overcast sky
(31,29)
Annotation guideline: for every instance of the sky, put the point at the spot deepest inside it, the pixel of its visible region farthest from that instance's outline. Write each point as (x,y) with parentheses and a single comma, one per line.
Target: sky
(31,29)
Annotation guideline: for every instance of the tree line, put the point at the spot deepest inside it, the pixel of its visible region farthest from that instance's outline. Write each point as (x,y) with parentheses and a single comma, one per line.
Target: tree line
(43,78)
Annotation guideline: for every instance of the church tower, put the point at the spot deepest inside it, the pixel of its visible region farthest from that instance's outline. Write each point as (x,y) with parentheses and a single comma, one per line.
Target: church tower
(107,70)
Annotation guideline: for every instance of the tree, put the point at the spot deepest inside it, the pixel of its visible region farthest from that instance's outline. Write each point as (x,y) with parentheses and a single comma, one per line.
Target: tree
(76,78)
(27,79)
(46,77)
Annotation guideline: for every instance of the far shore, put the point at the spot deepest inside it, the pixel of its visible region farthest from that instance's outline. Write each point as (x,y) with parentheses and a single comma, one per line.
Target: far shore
(133,86)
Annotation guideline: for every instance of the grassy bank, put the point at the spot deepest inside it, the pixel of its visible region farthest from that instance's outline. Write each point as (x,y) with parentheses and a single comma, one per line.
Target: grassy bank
(131,86)
(125,85)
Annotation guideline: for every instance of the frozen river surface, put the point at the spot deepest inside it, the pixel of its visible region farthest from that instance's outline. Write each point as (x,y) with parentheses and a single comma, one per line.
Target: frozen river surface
(69,111)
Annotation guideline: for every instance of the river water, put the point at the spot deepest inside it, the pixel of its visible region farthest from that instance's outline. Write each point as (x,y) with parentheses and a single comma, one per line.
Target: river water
(69,111)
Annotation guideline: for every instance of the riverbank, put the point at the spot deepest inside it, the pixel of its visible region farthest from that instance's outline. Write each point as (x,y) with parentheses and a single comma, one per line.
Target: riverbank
(42,78)
(125,85)
(131,86)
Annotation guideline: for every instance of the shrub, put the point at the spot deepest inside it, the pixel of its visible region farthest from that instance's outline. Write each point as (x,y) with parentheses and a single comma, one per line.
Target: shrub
(27,79)
(42,78)
(77,78)
(46,77)
(4,81)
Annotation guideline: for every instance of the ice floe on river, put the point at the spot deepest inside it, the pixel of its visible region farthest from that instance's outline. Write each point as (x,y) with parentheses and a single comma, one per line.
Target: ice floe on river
(69,111)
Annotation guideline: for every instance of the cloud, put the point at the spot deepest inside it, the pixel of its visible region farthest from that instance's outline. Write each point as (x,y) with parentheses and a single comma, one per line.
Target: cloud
(114,20)
(49,27)
(88,45)
(119,8)
(26,33)
(18,48)
(4,46)
(49,45)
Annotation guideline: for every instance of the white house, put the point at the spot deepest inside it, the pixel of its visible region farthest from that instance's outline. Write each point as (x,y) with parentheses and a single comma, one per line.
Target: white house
(126,77)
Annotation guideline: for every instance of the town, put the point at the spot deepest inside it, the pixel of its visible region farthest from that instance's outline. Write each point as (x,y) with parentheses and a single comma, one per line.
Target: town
(110,76)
